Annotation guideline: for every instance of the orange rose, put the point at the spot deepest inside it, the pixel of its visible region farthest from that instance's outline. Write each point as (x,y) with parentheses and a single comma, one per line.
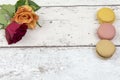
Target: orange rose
(25,14)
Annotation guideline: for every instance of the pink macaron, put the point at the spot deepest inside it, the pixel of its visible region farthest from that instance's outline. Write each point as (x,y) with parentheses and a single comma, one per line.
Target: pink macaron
(106,31)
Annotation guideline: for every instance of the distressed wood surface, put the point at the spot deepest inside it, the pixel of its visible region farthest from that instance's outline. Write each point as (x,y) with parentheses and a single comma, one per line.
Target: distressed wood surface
(57,64)
(58,50)
(66,26)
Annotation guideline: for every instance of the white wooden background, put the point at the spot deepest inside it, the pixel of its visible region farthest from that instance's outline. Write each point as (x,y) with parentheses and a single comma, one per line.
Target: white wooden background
(64,48)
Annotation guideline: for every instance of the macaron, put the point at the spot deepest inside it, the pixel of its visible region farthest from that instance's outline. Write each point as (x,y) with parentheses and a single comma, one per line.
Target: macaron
(105,48)
(106,15)
(106,31)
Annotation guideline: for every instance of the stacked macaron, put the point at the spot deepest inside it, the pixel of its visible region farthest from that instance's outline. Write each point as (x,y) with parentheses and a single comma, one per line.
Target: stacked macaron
(106,32)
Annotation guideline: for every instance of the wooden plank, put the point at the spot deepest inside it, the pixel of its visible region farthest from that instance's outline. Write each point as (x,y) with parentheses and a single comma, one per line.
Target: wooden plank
(65,26)
(57,64)
(68,2)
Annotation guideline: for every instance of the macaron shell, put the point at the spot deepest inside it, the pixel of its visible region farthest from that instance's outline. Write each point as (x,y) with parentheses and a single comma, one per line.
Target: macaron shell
(105,48)
(106,31)
(106,15)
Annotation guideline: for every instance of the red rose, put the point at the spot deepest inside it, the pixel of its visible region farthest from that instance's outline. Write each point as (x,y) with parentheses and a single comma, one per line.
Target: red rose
(14,32)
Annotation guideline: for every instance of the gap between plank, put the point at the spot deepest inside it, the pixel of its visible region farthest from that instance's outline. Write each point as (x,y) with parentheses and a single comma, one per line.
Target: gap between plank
(79,5)
(50,46)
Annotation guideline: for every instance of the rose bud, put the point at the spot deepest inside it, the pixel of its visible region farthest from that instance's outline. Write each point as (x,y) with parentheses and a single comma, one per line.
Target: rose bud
(14,32)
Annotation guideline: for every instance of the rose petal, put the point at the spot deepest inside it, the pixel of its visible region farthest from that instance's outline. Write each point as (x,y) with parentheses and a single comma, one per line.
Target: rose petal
(15,32)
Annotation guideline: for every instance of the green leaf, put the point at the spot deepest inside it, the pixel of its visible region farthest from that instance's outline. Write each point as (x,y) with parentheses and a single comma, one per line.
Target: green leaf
(2,11)
(19,3)
(6,12)
(3,20)
(1,26)
(9,9)
(34,6)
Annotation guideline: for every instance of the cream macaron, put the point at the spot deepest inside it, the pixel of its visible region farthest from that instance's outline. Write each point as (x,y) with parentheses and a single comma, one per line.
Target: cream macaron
(105,48)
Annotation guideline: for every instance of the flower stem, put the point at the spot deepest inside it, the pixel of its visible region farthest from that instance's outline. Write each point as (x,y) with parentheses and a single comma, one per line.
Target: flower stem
(39,24)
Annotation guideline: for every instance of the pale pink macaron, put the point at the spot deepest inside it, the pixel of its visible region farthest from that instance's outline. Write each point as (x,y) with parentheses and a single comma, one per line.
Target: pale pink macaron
(106,31)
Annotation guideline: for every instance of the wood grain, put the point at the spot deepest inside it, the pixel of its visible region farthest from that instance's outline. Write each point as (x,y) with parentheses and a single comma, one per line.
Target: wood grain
(57,64)
(64,48)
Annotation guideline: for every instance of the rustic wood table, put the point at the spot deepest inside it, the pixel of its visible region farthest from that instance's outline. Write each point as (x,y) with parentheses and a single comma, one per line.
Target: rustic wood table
(64,48)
